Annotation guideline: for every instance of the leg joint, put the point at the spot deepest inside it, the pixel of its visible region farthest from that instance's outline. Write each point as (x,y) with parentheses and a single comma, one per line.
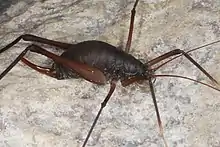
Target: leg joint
(27,37)
(103,104)
(34,48)
(178,51)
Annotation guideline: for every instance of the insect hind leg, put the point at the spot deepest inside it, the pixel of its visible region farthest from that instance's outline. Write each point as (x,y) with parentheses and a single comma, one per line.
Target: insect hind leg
(85,71)
(29,37)
(43,70)
(64,72)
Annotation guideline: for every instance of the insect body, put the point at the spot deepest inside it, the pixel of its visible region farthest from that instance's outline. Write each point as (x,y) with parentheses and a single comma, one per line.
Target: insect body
(113,62)
(99,62)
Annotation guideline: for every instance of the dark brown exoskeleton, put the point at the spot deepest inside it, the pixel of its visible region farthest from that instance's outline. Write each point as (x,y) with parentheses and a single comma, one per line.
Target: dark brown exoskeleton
(99,62)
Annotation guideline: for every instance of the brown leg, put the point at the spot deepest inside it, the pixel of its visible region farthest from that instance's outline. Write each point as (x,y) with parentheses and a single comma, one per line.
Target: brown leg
(28,37)
(157,111)
(133,11)
(135,79)
(87,72)
(103,104)
(187,53)
(43,70)
(40,69)
(178,52)
(132,80)
(13,63)
(74,66)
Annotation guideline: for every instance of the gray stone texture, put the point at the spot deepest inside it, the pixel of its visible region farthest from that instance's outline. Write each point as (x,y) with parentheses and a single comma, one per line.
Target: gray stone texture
(39,111)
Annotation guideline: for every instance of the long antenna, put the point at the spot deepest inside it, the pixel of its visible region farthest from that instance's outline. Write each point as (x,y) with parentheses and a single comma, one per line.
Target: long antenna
(177,76)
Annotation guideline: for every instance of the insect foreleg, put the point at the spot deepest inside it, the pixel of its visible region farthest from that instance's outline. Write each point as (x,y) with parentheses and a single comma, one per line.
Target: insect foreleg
(132,80)
(177,52)
(191,50)
(149,78)
(157,111)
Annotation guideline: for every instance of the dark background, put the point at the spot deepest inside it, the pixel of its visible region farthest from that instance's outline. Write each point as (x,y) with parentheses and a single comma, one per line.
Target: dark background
(5,4)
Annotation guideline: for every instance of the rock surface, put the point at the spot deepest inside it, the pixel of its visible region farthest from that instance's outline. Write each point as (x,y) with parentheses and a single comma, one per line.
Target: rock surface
(39,111)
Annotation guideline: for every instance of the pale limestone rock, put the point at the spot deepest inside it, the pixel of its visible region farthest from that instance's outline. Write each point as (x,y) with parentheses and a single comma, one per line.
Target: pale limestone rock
(38,111)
